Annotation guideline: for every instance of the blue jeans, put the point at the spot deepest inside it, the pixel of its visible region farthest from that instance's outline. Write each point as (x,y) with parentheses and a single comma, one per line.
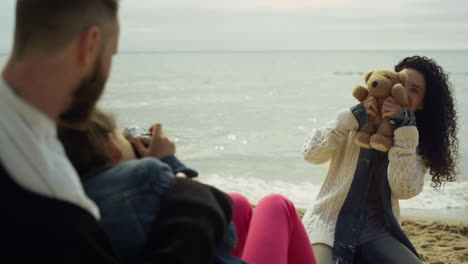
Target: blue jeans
(129,196)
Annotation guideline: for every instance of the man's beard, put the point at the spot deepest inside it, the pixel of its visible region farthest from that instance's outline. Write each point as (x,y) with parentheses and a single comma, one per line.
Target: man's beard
(84,100)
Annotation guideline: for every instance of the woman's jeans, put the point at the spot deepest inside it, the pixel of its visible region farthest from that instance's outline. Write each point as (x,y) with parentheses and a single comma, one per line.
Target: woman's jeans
(384,250)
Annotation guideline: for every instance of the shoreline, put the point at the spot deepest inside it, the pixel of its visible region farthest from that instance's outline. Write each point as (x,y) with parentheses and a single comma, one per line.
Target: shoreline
(457,215)
(416,217)
(434,219)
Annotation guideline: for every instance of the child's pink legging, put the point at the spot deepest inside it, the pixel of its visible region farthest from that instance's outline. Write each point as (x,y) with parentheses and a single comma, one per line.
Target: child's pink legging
(272,233)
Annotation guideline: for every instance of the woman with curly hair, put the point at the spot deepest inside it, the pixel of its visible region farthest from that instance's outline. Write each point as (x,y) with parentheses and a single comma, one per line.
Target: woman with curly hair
(356,216)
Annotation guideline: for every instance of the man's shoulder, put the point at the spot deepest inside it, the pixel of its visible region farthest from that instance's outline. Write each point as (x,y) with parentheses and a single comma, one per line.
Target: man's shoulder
(47,228)
(23,201)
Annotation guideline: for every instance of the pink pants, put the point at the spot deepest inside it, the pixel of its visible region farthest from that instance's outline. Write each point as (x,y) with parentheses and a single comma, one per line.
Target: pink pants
(272,233)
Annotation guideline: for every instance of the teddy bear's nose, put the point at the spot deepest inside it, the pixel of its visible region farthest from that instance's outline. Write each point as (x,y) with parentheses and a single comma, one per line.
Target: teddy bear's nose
(374,84)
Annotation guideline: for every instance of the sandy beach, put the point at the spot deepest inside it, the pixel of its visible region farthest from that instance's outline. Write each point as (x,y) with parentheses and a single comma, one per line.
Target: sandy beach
(439,241)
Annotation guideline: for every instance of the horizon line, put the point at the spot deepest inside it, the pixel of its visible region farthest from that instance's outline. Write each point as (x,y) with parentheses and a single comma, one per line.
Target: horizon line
(290,50)
(276,50)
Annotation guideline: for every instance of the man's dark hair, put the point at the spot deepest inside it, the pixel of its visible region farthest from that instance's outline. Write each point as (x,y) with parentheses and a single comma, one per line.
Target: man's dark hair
(50,24)
(437,123)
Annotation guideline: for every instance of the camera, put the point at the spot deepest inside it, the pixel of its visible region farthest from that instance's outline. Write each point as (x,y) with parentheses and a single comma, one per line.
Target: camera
(136,131)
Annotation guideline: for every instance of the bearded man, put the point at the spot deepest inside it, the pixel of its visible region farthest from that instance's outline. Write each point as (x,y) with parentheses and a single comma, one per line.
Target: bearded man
(57,70)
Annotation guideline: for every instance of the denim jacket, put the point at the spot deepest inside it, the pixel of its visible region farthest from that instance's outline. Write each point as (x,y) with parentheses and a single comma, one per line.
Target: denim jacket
(128,196)
(350,218)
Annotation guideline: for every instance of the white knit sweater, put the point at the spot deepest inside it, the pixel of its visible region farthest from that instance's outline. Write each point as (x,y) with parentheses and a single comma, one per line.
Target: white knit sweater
(335,143)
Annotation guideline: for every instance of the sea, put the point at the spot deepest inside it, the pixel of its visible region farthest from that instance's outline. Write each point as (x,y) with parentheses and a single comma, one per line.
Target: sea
(240,118)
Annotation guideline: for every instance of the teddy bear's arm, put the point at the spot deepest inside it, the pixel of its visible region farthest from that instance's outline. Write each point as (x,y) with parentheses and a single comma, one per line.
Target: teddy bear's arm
(399,94)
(360,93)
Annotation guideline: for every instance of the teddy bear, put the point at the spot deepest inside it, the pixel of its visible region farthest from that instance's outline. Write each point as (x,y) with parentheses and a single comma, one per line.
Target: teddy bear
(378,133)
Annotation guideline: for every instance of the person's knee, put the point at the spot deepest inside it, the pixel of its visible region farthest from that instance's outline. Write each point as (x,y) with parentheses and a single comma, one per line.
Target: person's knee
(277,200)
(240,202)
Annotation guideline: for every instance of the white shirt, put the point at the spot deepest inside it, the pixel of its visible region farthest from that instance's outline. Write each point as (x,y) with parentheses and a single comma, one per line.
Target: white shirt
(32,154)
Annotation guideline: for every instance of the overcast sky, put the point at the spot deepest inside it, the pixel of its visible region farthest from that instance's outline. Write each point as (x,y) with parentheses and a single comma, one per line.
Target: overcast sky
(192,25)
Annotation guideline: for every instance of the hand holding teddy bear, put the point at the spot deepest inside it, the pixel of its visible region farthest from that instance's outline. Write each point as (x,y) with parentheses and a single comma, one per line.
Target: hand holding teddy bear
(384,91)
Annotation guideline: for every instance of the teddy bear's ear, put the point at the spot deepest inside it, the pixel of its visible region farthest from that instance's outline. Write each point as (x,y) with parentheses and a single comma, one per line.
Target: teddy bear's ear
(403,76)
(367,76)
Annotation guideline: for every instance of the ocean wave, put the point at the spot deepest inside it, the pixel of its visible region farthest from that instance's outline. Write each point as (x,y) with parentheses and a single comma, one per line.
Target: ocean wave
(255,188)
(454,195)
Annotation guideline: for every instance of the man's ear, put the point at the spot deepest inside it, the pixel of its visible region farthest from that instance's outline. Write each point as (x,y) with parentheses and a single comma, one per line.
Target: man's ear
(367,76)
(113,148)
(89,44)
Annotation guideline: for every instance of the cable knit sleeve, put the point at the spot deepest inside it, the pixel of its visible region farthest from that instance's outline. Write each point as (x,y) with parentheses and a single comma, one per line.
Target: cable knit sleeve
(406,168)
(319,146)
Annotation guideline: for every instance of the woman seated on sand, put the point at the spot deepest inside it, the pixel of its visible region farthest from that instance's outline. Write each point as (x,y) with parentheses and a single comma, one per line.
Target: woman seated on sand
(355,217)
(142,203)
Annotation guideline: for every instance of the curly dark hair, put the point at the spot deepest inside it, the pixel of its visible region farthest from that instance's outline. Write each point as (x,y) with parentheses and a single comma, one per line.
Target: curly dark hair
(437,123)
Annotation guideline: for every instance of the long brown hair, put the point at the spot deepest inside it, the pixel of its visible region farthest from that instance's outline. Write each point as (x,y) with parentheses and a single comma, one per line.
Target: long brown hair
(88,148)
(437,123)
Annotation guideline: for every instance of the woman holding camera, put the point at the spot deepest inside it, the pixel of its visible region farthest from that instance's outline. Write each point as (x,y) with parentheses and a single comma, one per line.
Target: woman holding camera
(143,205)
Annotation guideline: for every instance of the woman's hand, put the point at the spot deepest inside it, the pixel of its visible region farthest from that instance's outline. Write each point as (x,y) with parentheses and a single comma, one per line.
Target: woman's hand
(371,106)
(160,146)
(391,108)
